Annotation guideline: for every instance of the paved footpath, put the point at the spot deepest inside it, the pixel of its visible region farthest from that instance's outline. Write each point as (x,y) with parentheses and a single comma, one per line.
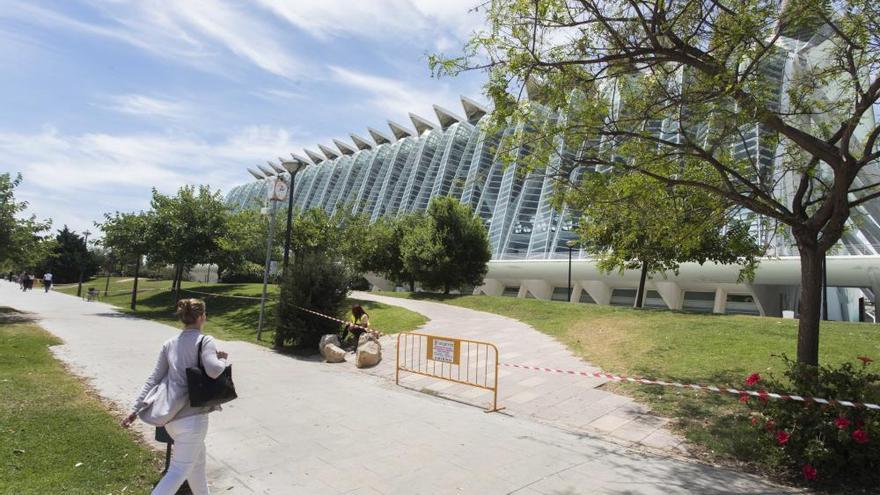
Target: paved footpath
(304,427)
(572,402)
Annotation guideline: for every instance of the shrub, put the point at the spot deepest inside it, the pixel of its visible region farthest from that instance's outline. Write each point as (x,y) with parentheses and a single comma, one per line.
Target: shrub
(246,272)
(819,443)
(318,283)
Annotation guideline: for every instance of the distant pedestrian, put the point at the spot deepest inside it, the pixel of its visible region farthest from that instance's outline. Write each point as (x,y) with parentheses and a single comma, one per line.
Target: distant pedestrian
(22,281)
(358,324)
(30,281)
(189,426)
(47,281)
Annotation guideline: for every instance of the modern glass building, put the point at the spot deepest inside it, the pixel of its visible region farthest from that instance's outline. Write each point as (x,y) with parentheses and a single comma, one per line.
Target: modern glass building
(399,170)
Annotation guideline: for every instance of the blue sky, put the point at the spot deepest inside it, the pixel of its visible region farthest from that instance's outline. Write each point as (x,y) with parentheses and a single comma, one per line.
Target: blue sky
(103,99)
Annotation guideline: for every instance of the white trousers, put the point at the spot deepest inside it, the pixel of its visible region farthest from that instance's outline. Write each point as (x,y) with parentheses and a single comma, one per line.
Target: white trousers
(188,456)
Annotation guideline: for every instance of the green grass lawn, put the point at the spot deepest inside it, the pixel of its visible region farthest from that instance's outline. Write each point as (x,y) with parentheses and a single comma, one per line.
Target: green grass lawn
(55,437)
(229,318)
(694,348)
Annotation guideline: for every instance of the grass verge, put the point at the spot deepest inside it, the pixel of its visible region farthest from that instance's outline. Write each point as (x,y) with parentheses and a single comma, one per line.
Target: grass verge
(229,318)
(685,347)
(54,436)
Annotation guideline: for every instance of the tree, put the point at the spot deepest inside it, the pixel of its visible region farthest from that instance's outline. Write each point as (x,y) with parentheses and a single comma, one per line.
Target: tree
(126,236)
(69,256)
(242,247)
(319,283)
(449,249)
(380,250)
(186,228)
(23,243)
(630,222)
(766,105)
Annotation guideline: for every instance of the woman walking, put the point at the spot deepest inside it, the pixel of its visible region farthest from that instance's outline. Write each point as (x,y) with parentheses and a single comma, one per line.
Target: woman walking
(189,425)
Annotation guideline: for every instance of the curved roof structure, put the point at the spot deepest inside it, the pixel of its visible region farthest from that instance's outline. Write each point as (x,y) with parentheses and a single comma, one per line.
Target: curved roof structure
(528,232)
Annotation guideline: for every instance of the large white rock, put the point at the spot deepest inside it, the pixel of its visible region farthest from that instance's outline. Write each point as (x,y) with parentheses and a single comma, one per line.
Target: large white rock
(327,340)
(367,337)
(369,353)
(334,354)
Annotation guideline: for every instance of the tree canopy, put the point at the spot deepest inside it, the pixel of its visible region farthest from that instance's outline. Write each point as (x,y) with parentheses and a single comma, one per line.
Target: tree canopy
(449,249)
(23,241)
(763,104)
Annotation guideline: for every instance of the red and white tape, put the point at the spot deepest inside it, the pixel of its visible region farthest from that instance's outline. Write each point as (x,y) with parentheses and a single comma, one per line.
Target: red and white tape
(645,381)
(367,329)
(708,388)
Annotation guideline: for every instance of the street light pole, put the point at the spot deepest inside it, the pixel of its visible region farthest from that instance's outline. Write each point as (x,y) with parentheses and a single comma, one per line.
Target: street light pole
(272,206)
(80,284)
(571,244)
(292,168)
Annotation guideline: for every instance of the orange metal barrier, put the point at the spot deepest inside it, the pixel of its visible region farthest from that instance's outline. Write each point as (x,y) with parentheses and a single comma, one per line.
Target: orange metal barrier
(468,362)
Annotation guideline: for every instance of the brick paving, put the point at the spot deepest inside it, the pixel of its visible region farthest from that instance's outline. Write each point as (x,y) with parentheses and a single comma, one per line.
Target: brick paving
(572,402)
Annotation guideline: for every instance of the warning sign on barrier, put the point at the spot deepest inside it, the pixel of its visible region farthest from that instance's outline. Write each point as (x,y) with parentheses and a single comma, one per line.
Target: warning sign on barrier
(444,350)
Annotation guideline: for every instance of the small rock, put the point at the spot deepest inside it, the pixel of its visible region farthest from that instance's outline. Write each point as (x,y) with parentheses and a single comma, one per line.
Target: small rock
(327,340)
(78,464)
(17,451)
(369,352)
(333,353)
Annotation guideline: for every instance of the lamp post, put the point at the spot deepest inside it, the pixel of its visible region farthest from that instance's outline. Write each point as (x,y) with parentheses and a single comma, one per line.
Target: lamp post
(81,268)
(277,191)
(571,243)
(292,168)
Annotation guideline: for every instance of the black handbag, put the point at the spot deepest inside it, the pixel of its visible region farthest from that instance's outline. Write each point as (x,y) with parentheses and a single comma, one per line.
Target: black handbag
(206,391)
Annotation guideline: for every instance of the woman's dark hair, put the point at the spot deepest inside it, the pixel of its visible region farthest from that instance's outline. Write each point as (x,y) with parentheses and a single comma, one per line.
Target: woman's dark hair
(357,310)
(189,310)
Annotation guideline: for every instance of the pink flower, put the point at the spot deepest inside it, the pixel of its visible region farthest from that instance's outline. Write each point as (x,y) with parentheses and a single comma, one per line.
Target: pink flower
(744,397)
(860,436)
(782,437)
(809,472)
(842,423)
(754,421)
(762,396)
(753,379)
(865,360)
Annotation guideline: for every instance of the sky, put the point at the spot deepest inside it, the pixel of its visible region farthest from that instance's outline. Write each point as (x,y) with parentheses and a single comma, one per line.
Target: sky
(102,100)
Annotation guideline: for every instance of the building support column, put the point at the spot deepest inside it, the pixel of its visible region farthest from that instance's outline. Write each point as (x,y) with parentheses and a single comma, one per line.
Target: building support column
(540,289)
(576,289)
(767,299)
(671,293)
(490,287)
(598,290)
(379,282)
(720,306)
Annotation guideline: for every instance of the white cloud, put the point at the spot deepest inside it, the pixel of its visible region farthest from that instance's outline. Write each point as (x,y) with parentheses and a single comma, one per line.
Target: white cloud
(74,179)
(401,19)
(191,31)
(148,106)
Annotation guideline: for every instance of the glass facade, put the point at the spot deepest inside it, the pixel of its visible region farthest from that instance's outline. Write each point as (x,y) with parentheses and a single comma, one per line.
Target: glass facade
(399,172)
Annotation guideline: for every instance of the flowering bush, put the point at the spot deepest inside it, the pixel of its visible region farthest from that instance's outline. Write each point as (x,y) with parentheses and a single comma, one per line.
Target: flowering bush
(821,443)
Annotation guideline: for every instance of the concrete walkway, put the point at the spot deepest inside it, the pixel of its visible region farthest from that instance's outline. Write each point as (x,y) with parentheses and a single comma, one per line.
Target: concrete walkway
(572,402)
(303,427)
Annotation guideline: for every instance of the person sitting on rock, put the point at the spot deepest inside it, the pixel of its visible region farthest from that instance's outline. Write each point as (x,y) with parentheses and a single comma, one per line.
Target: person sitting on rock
(360,322)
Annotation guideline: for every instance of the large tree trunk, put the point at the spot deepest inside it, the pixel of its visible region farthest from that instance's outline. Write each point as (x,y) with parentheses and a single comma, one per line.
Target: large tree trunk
(134,289)
(640,293)
(811,299)
(178,274)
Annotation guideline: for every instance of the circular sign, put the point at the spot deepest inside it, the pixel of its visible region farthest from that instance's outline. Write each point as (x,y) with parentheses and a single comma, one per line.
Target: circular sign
(279,191)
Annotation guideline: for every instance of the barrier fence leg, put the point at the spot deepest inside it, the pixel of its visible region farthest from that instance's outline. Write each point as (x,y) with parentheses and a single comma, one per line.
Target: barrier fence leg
(397,363)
